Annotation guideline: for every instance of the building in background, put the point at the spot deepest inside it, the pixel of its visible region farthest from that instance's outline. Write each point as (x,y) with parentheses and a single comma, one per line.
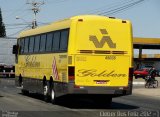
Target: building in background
(147,52)
(7,59)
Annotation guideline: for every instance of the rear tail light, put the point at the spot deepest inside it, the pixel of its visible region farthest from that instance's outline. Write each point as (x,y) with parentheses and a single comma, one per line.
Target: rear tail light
(71,73)
(130,74)
(125,88)
(76,86)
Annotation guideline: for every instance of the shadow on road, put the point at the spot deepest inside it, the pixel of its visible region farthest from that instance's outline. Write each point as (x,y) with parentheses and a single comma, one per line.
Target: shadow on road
(83,103)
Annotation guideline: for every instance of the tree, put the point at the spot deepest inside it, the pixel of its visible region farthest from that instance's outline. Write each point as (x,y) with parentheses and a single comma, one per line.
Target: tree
(2,26)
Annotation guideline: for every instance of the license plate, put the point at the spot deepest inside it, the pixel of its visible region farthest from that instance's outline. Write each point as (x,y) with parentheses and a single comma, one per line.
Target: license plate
(101,81)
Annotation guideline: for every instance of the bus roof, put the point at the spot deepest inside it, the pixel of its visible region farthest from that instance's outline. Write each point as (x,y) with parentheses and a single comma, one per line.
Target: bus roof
(47,28)
(63,24)
(94,17)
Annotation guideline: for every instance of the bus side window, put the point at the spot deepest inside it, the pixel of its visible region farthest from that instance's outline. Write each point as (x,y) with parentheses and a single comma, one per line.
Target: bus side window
(21,47)
(31,45)
(49,42)
(26,45)
(43,43)
(64,40)
(36,44)
(56,39)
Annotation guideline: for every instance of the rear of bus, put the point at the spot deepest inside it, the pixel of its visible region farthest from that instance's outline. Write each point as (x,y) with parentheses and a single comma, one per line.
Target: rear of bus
(100,56)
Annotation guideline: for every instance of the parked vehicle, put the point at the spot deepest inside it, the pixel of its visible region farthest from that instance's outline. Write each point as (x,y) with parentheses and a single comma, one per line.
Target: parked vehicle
(141,73)
(144,72)
(7,68)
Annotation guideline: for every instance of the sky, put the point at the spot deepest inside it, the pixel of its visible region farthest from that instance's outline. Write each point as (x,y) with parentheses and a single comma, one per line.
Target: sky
(145,15)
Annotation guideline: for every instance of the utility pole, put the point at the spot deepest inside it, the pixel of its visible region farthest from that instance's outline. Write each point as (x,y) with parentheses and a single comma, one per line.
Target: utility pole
(35,9)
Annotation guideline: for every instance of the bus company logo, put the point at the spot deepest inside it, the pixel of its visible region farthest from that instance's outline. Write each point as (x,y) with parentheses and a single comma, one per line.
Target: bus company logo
(31,61)
(97,73)
(105,39)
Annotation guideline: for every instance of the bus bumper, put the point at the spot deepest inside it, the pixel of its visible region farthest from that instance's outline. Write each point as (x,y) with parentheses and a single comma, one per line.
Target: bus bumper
(115,91)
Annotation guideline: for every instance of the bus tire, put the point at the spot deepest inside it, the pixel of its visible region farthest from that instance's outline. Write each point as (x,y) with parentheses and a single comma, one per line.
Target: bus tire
(23,91)
(20,81)
(45,92)
(52,94)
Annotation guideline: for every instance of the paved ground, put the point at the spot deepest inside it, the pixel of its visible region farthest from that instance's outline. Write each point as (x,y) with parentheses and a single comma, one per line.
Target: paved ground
(150,92)
(138,87)
(11,100)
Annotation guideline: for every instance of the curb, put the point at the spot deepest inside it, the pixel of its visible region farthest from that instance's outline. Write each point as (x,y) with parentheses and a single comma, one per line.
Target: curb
(138,83)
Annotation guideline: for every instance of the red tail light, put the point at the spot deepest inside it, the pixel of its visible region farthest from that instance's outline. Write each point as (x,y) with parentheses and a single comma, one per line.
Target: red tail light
(130,74)
(75,86)
(71,73)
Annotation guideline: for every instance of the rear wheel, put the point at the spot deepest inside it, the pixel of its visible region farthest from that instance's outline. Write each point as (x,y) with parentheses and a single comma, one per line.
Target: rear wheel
(136,77)
(155,84)
(45,92)
(52,94)
(24,92)
(21,84)
(147,85)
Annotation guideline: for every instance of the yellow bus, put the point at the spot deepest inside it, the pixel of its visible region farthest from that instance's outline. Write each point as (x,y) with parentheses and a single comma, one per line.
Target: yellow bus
(85,55)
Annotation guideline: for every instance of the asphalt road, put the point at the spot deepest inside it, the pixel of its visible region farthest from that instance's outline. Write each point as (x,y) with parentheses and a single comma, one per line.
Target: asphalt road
(13,103)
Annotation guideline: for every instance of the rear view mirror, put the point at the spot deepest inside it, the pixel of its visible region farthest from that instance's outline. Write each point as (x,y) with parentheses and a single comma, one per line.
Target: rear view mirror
(15,49)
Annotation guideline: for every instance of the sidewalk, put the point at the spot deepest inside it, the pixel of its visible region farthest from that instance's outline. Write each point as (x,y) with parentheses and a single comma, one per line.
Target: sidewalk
(149,92)
(141,81)
(138,81)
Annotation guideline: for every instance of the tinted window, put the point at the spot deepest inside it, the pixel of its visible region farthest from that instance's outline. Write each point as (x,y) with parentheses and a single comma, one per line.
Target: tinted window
(31,44)
(49,42)
(26,45)
(64,40)
(36,45)
(43,43)
(21,49)
(56,39)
